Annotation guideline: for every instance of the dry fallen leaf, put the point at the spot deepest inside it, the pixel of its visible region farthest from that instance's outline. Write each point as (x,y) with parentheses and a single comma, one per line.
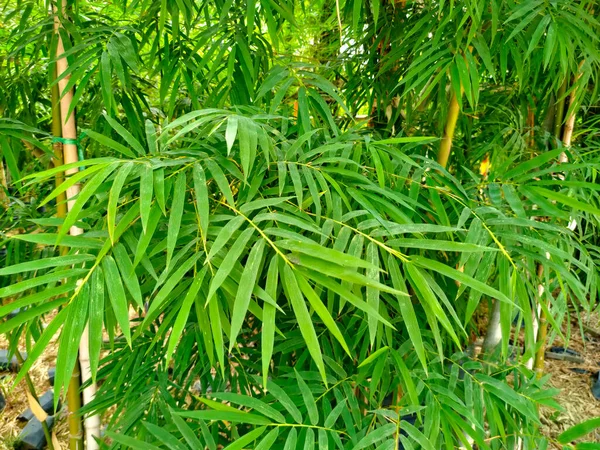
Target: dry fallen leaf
(56,442)
(36,409)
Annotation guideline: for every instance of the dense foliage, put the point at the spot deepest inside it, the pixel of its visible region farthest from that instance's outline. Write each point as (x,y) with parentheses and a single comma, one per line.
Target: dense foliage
(272,257)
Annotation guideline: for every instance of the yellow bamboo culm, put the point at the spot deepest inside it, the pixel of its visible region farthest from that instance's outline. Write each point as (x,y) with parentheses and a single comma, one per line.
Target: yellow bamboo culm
(83,372)
(446,144)
(570,122)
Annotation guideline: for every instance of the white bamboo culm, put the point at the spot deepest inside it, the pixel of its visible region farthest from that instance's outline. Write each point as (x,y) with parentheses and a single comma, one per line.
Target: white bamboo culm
(69,131)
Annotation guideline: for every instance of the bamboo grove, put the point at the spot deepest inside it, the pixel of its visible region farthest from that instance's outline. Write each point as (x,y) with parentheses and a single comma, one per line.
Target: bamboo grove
(285,224)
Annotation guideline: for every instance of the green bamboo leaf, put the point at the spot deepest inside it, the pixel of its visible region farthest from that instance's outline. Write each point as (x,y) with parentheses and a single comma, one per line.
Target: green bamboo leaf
(407,311)
(342,273)
(507,394)
(47,279)
(116,294)
(159,188)
(175,215)
(164,292)
(151,136)
(292,439)
(566,200)
(86,193)
(269,312)
(283,398)
(128,273)
(377,435)
(417,435)
(38,297)
(263,203)
(146,188)
(579,430)
(70,339)
(225,234)
(231,132)
(214,312)
(106,81)
(309,400)
(303,319)
(461,277)
(46,263)
(327,254)
(49,239)
(372,292)
(537,34)
(42,343)
(133,142)
(373,356)
(322,311)
(268,440)
(140,251)
(201,192)
(250,402)
(164,436)
(334,414)
(205,328)
(244,440)
(344,293)
(439,245)
(230,416)
(108,142)
(534,163)
(184,312)
(188,434)
(130,442)
(113,198)
(221,181)
(29,314)
(429,297)
(226,266)
(96,318)
(245,288)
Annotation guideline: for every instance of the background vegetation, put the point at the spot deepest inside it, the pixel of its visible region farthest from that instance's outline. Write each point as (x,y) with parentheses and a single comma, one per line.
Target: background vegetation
(295,214)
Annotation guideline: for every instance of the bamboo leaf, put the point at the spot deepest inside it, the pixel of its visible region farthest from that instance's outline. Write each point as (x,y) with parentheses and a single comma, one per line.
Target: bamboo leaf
(245,288)
(322,311)
(113,198)
(176,215)
(46,263)
(116,294)
(579,430)
(309,400)
(230,416)
(268,330)
(146,188)
(303,318)
(133,142)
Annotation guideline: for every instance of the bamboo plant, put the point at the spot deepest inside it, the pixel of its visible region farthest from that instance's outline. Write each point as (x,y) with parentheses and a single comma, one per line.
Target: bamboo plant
(248,263)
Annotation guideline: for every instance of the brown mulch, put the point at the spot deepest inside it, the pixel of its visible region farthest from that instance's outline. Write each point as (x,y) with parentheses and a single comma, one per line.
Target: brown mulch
(16,397)
(575,395)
